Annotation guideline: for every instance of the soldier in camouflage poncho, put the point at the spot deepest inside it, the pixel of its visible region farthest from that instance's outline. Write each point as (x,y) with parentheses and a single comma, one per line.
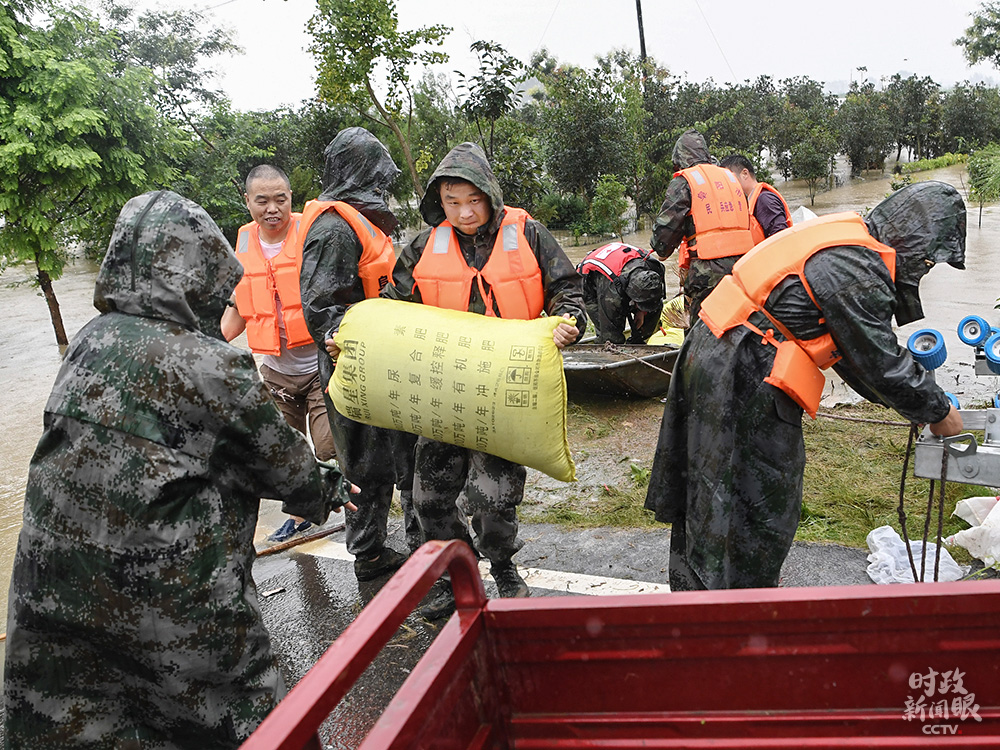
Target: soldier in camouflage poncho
(728,469)
(450,479)
(674,224)
(133,618)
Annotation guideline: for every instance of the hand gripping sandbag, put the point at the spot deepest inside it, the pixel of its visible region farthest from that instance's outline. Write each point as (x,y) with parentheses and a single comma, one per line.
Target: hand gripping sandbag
(487,384)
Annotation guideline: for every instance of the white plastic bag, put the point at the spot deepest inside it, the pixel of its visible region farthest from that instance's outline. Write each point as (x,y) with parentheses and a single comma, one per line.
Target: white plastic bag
(983,539)
(889,562)
(973,510)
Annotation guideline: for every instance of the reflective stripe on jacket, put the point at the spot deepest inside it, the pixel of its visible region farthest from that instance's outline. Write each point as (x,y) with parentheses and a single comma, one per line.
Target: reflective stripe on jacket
(264,278)
(512,275)
(756,230)
(719,211)
(755,275)
(610,259)
(377,254)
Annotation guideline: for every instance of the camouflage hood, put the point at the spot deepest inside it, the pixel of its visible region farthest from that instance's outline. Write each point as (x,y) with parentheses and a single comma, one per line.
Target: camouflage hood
(167,259)
(690,149)
(925,224)
(360,171)
(466,161)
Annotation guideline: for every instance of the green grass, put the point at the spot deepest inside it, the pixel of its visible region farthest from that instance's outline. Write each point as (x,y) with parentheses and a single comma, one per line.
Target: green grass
(851,483)
(922,165)
(614,506)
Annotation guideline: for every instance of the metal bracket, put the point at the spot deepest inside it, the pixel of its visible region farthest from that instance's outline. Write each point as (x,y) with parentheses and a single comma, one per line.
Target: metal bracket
(969,461)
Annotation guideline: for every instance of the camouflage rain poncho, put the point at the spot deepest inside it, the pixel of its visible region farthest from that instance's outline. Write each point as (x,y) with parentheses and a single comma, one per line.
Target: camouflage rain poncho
(133,618)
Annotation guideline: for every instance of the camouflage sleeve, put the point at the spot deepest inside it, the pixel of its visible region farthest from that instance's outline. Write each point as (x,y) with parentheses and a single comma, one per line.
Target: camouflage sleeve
(329,280)
(563,285)
(403,286)
(857,298)
(262,453)
(604,304)
(673,223)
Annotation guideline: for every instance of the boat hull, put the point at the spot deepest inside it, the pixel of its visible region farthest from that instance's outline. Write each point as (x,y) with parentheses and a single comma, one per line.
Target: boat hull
(622,371)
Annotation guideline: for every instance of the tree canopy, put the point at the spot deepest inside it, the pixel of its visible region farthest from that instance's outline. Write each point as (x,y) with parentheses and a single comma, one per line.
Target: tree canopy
(353,41)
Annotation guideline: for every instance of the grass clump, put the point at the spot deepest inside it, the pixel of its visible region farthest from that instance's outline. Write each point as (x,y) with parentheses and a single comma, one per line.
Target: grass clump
(852,479)
(945,160)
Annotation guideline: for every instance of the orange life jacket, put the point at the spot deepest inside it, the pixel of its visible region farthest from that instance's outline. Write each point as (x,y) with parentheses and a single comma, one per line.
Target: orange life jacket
(797,366)
(377,255)
(756,230)
(512,273)
(263,279)
(720,213)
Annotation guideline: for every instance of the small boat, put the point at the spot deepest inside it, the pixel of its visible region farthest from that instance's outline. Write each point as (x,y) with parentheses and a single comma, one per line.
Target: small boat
(618,370)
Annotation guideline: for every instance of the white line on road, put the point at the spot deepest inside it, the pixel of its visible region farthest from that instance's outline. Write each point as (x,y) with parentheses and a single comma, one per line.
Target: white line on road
(538,578)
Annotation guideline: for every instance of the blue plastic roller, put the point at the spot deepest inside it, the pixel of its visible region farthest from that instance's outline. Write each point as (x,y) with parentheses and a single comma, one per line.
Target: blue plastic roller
(973,330)
(927,347)
(992,351)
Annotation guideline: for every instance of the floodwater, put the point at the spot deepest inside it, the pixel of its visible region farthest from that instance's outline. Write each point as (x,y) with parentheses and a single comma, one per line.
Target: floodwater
(32,358)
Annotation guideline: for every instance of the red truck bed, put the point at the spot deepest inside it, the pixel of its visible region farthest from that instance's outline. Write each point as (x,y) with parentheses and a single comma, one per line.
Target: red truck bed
(864,667)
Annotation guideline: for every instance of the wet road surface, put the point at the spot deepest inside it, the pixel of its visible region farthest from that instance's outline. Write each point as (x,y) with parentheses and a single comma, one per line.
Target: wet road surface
(309,596)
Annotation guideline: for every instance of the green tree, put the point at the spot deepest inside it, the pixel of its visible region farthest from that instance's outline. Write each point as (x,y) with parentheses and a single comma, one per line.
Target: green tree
(984,176)
(607,210)
(981,41)
(970,117)
(910,103)
(79,135)
(811,158)
(865,131)
(213,177)
(802,106)
(354,41)
(492,92)
(437,123)
(585,130)
(517,164)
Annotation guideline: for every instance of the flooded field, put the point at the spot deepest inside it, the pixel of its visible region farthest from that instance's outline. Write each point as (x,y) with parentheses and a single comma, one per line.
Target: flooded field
(32,357)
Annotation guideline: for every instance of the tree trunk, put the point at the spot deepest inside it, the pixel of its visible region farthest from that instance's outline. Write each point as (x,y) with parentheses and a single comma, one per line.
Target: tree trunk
(45,282)
(391,122)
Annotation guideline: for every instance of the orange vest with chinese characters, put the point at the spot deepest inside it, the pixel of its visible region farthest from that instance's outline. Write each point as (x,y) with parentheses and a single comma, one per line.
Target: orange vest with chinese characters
(512,277)
(756,230)
(720,213)
(263,280)
(798,364)
(377,255)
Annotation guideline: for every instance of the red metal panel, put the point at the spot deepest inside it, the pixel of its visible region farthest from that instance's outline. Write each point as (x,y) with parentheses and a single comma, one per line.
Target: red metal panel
(294,722)
(806,668)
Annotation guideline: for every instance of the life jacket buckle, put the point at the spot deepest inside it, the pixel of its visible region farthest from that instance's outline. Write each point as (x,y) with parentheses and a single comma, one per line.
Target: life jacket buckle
(796,374)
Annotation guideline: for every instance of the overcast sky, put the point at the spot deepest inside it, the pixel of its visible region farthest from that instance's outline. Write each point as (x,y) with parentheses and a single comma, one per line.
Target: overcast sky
(726,40)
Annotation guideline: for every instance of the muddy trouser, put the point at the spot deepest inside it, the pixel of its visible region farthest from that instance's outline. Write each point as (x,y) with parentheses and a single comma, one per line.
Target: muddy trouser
(300,398)
(451,481)
(403,454)
(365,455)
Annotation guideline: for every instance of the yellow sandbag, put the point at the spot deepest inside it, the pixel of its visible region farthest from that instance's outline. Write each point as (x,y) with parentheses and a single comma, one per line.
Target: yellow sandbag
(488,384)
(666,333)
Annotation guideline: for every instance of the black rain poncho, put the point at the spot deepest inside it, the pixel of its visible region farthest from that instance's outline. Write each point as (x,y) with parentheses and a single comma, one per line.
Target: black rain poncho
(728,468)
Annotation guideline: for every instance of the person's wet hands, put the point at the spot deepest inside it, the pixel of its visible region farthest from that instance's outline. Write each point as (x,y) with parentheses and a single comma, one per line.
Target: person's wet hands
(565,333)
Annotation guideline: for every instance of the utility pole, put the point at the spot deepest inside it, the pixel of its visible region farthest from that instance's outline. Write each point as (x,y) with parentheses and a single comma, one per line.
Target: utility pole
(642,35)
